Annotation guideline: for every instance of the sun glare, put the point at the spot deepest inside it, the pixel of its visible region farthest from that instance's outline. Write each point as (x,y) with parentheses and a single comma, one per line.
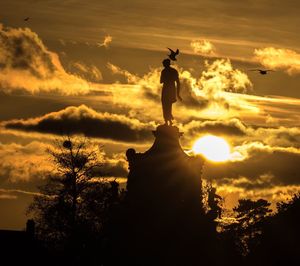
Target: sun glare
(213,148)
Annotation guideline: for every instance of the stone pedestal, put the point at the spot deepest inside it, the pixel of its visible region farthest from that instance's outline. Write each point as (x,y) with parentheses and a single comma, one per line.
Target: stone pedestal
(164,211)
(165,177)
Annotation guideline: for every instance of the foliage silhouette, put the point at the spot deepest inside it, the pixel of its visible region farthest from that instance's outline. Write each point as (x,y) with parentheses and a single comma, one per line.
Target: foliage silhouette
(73,207)
(250,217)
(214,202)
(281,235)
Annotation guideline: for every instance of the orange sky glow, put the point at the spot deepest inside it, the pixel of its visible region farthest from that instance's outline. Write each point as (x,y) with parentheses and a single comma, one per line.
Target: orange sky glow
(97,64)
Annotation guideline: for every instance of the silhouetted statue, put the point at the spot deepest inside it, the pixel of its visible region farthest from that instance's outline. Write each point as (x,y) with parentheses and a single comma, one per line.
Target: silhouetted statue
(170,91)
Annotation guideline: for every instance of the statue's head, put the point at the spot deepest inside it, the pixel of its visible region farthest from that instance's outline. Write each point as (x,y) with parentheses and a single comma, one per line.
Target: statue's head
(166,62)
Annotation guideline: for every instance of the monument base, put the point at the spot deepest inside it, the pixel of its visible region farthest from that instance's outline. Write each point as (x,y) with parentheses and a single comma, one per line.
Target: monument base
(163,221)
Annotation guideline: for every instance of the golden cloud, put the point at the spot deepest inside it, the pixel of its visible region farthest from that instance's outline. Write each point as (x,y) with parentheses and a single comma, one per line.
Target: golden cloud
(203,47)
(209,94)
(274,194)
(282,59)
(12,193)
(277,136)
(26,165)
(23,163)
(221,92)
(106,42)
(7,196)
(26,64)
(88,72)
(131,78)
(221,76)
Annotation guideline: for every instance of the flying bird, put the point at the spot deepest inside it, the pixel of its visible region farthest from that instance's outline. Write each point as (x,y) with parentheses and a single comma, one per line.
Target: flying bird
(173,54)
(26,19)
(262,71)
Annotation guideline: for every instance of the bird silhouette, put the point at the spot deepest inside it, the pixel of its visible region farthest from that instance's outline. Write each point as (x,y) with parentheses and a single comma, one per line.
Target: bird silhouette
(173,54)
(262,71)
(26,19)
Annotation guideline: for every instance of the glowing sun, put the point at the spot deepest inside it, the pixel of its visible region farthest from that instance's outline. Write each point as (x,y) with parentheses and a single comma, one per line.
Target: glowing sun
(213,148)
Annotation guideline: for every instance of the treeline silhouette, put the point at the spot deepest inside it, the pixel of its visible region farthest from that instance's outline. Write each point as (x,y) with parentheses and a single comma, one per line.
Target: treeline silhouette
(81,220)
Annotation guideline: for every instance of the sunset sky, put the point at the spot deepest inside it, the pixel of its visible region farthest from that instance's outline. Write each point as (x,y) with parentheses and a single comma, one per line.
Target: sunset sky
(92,68)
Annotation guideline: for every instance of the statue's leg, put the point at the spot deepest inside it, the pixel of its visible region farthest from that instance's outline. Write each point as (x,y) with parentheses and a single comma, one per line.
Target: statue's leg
(167,111)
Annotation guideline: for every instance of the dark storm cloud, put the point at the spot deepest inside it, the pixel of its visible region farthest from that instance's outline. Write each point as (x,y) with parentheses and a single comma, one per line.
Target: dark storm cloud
(233,127)
(278,136)
(113,167)
(83,120)
(281,165)
(239,132)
